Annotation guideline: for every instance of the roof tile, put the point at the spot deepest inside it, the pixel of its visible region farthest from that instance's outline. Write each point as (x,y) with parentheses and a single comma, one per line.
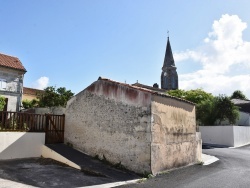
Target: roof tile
(11,62)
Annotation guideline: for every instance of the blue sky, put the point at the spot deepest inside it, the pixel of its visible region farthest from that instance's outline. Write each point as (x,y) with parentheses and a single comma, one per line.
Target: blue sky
(71,43)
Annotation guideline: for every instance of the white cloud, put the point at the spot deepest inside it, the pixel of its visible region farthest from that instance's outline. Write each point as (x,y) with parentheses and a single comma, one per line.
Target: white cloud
(222,51)
(41,83)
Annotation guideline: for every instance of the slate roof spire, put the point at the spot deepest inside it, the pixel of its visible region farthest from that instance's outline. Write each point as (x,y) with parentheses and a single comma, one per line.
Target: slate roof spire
(169,59)
(169,76)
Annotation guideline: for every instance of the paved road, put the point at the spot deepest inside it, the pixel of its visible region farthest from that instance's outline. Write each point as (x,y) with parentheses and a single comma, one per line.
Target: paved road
(231,171)
(40,172)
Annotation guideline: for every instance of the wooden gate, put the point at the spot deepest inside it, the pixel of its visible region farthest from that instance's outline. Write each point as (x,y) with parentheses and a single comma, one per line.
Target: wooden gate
(54,130)
(52,125)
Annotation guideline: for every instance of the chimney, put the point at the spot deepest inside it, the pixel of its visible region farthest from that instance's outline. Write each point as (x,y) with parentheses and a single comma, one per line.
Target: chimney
(156,85)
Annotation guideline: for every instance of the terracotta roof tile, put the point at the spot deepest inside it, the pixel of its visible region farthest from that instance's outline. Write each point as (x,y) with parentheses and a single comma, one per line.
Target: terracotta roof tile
(11,62)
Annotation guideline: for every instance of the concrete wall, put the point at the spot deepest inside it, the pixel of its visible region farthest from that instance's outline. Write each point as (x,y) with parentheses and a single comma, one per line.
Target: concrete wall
(14,85)
(21,145)
(174,140)
(111,120)
(225,135)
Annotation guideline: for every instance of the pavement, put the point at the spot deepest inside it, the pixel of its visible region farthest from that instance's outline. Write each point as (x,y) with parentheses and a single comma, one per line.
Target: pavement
(41,172)
(231,171)
(92,166)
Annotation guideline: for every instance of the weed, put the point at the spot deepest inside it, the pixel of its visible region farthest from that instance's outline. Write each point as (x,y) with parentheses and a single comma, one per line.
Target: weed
(200,163)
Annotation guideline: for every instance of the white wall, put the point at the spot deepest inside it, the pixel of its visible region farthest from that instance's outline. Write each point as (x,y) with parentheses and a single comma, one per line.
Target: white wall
(21,144)
(241,135)
(225,135)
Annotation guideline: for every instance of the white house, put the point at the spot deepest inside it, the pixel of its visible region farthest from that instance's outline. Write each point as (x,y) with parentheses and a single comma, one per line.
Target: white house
(11,81)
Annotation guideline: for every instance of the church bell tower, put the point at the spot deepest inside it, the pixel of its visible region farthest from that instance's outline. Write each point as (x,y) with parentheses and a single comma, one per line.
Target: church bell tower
(169,76)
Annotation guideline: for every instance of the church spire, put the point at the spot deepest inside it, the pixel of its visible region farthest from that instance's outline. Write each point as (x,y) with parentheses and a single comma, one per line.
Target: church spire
(169,59)
(169,76)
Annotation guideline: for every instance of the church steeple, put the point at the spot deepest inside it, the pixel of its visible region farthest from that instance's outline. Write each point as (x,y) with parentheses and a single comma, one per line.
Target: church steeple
(169,59)
(169,76)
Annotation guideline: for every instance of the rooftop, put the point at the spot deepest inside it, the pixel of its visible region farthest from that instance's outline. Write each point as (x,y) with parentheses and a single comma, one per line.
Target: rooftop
(240,101)
(150,87)
(146,90)
(11,62)
(31,91)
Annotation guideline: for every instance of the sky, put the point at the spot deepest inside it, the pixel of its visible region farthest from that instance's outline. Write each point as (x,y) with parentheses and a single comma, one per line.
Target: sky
(71,43)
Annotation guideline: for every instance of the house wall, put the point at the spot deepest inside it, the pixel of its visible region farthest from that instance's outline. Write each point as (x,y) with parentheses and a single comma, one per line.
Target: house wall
(244,119)
(174,140)
(226,135)
(21,145)
(13,100)
(29,97)
(113,121)
(14,85)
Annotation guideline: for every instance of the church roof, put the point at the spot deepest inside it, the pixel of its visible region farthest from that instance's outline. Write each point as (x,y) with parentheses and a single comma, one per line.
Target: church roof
(169,59)
(150,87)
(11,62)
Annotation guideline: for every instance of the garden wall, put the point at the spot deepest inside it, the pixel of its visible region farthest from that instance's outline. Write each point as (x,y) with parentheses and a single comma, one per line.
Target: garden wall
(230,135)
(21,145)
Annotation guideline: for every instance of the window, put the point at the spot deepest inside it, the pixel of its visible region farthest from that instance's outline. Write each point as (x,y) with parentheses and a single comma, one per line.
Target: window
(2,84)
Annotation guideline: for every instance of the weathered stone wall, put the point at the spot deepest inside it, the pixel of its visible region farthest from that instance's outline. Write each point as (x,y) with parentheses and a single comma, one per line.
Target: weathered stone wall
(112,121)
(174,141)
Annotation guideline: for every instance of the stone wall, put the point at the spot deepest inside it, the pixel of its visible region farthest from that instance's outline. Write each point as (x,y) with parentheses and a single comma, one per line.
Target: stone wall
(145,132)
(174,140)
(112,121)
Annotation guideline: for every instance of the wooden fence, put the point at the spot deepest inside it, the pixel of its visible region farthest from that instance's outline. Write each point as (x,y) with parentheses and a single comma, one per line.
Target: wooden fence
(52,125)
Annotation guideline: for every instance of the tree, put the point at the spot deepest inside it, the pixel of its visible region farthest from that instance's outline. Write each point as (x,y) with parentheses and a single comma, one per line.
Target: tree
(2,103)
(219,109)
(29,103)
(226,110)
(209,109)
(177,93)
(238,95)
(54,97)
(206,112)
(196,96)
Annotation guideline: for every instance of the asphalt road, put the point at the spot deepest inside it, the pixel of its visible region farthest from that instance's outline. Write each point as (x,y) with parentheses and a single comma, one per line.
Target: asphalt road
(231,171)
(41,172)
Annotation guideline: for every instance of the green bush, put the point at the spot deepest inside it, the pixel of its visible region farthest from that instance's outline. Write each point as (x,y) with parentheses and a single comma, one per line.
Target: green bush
(26,104)
(2,103)
(210,110)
